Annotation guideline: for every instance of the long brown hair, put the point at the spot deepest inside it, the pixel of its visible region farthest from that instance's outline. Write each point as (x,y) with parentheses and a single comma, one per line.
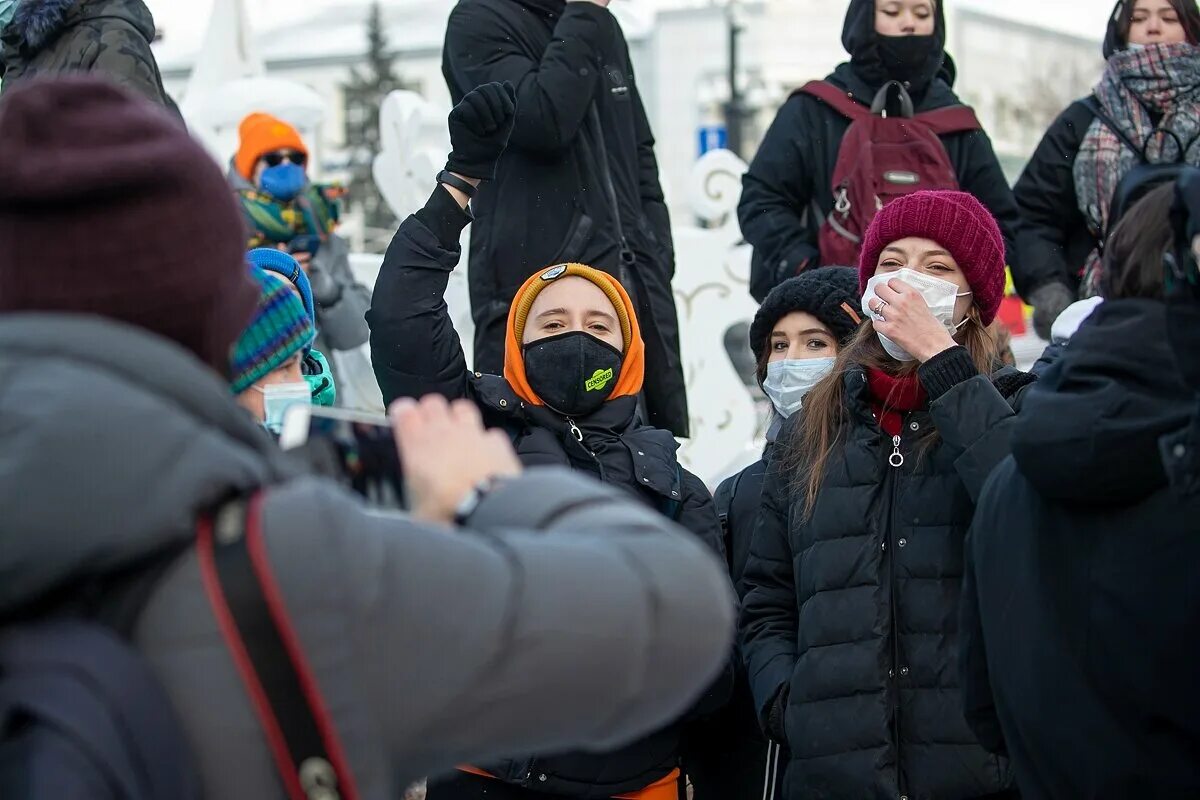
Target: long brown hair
(1133,256)
(826,417)
(1189,17)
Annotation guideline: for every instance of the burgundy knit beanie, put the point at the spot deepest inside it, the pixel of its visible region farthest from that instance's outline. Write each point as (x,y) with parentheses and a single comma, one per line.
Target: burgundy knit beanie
(108,207)
(956,221)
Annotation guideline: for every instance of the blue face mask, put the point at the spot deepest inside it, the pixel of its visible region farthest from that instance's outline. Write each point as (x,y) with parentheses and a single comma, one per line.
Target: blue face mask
(283,182)
(7,9)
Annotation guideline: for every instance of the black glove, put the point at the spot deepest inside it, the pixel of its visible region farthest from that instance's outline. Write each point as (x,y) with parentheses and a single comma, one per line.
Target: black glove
(479,129)
(1048,302)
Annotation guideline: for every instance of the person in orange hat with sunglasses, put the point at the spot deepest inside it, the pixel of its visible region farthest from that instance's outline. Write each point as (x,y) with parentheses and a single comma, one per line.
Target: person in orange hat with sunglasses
(574,364)
(283,209)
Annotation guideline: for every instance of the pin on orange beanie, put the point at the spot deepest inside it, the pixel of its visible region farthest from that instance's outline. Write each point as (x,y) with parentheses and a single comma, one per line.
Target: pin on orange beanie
(260,134)
(633,365)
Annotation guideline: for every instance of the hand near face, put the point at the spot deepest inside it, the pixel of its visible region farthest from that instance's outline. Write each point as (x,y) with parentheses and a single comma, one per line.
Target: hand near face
(908,322)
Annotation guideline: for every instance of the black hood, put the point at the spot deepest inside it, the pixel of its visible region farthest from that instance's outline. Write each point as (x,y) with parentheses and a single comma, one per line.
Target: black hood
(863,44)
(1113,43)
(1089,430)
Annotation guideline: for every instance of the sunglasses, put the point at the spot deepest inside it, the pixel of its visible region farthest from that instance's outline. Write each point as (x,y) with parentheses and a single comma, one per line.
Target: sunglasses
(291,156)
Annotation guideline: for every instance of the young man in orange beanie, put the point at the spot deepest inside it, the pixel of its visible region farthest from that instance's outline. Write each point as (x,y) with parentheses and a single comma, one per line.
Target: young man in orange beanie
(284,210)
(573,369)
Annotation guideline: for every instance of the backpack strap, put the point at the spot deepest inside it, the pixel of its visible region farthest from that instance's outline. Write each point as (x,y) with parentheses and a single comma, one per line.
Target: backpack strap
(254,623)
(951,119)
(837,99)
(1093,104)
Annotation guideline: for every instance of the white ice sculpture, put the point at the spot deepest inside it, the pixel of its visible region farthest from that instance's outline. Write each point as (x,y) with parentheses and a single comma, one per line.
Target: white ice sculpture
(228,82)
(712,295)
(711,280)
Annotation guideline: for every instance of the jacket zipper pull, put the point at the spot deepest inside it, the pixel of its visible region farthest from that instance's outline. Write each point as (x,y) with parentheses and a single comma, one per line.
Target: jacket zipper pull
(578,434)
(896,459)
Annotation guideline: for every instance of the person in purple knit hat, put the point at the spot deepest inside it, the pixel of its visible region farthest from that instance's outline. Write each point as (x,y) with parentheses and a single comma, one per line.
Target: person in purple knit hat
(849,621)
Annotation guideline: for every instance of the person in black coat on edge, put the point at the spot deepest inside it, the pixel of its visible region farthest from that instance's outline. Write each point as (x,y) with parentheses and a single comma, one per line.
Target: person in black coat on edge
(573,368)
(791,175)
(849,624)
(1055,240)
(579,180)
(795,338)
(1081,606)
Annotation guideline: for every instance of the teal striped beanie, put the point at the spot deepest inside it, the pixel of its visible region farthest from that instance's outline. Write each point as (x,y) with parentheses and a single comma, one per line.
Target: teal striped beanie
(281,328)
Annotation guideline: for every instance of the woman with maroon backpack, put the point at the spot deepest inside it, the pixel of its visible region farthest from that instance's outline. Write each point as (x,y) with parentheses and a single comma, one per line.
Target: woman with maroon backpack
(826,167)
(1144,111)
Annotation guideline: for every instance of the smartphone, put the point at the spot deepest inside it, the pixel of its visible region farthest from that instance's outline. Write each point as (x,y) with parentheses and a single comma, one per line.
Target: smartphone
(355,449)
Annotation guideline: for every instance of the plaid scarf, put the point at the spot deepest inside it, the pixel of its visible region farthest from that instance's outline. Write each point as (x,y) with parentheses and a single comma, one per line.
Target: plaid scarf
(1139,86)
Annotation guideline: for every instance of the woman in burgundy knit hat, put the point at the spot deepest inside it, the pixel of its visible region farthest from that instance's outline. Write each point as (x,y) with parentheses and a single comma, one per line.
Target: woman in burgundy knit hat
(850,617)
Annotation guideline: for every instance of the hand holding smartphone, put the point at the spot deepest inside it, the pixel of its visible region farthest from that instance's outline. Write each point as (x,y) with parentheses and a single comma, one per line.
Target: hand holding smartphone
(448,451)
(357,450)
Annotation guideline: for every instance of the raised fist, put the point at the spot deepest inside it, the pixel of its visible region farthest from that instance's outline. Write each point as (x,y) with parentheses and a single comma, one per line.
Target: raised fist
(479,129)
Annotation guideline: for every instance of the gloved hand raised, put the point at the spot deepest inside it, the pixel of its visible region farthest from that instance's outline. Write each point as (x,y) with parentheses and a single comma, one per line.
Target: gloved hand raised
(479,129)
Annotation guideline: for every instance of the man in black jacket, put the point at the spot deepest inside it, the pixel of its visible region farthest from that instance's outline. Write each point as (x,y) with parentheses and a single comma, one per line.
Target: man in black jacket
(791,176)
(579,181)
(568,397)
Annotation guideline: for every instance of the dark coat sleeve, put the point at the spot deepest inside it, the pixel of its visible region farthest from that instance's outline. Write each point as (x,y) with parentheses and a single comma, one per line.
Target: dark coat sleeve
(975,420)
(699,515)
(980,174)
(654,206)
(1049,211)
(554,92)
(776,193)
(767,627)
(414,348)
(978,704)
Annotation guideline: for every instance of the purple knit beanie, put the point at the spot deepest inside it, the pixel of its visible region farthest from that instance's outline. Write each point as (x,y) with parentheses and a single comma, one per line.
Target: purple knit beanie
(956,221)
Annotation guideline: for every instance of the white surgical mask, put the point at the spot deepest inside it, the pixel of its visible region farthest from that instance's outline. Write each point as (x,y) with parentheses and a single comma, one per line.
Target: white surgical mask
(940,295)
(278,398)
(790,380)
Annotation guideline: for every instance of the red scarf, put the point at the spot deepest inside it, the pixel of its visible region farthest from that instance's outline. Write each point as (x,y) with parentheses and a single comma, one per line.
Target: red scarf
(900,394)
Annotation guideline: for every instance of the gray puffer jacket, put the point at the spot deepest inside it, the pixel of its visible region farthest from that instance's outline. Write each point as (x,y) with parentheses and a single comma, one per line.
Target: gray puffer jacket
(431,647)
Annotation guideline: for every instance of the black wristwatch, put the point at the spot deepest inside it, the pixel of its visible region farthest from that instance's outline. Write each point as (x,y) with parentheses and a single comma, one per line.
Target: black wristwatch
(471,502)
(453,181)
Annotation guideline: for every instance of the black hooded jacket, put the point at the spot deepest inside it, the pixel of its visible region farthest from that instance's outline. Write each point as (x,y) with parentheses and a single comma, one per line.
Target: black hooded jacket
(793,169)
(581,150)
(848,626)
(415,351)
(1081,605)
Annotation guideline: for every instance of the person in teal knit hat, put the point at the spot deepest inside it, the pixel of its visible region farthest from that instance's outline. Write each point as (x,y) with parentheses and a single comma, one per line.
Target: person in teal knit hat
(266,376)
(315,366)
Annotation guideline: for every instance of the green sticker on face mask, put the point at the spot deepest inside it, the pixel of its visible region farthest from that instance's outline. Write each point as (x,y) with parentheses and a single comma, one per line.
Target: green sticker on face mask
(599,380)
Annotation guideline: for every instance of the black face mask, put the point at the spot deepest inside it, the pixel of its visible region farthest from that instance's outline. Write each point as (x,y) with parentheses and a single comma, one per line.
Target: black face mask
(574,373)
(914,60)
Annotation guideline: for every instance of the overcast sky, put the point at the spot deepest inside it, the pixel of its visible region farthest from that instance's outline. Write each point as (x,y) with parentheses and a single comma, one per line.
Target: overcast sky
(185,21)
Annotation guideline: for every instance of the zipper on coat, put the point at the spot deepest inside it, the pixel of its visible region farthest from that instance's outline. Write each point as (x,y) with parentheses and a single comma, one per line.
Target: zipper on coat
(896,461)
(577,434)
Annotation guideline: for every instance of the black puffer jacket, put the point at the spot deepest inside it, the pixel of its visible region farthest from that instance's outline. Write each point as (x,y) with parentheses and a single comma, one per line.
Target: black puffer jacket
(793,169)
(1081,600)
(582,147)
(852,612)
(416,351)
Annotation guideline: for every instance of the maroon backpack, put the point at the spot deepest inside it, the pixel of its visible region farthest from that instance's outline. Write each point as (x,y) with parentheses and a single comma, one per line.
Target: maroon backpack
(883,157)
